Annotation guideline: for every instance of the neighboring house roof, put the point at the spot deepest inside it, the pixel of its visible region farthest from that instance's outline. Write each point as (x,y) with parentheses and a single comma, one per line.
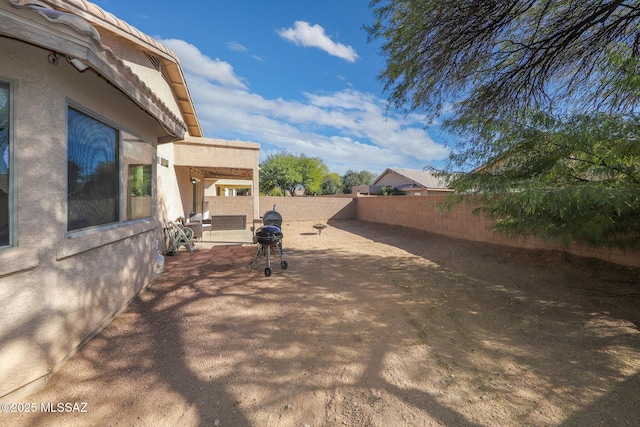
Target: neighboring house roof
(416,178)
(81,15)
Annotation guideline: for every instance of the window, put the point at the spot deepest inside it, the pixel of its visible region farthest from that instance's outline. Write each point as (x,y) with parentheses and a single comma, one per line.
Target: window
(138,156)
(94,175)
(5,235)
(92,172)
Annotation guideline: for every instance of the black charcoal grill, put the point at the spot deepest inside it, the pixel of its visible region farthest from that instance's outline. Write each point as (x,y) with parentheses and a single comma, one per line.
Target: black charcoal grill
(272,217)
(269,236)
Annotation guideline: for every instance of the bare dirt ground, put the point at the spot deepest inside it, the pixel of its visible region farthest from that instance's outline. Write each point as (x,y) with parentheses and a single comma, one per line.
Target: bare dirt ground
(369,326)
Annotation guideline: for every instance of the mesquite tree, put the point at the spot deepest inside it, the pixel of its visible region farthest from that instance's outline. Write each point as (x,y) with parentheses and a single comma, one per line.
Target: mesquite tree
(544,95)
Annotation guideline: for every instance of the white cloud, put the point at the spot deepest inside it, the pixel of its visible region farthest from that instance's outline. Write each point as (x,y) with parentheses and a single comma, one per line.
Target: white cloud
(239,47)
(304,34)
(201,65)
(346,129)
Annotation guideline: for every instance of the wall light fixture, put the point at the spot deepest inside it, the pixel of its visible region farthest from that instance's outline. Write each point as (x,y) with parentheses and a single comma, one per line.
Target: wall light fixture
(52,58)
(80,66)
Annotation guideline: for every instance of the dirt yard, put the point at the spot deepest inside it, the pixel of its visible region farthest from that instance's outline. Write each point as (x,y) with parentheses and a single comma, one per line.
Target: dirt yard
(369,326)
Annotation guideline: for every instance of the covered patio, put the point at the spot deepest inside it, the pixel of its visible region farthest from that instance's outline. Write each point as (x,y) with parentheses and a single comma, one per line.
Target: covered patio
(200,163)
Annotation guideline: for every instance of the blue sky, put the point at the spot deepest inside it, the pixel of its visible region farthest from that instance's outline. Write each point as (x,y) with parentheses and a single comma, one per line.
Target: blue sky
(297,76)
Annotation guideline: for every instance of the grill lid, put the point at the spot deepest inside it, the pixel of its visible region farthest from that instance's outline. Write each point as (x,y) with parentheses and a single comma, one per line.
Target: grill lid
(270,232)
(272,218)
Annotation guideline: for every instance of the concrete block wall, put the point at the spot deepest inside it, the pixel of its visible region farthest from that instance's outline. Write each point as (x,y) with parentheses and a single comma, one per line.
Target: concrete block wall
(239,205)
(310,208)
(422,213)
(291,208)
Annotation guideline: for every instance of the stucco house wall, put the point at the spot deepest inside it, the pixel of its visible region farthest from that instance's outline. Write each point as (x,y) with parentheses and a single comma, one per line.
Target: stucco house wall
(46,290)
(204,157)
(392,179)
(140,64)
(168,190)
(59,288)
(226,187)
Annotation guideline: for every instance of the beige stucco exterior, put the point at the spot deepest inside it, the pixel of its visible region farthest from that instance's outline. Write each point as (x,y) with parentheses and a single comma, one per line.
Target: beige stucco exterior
(207,159)
(50,301)
(227,187)
(58,289)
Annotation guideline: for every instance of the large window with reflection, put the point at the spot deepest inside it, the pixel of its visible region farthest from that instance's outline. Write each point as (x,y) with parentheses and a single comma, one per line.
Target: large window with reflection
(109,174)
(5,229)
(92,172)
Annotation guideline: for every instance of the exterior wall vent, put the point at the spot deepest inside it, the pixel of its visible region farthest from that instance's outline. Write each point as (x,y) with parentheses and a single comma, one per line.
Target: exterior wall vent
(155,61)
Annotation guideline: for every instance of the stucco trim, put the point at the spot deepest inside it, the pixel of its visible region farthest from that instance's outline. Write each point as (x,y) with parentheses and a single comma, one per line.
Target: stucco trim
(18,260)
(79,243)
(221,143)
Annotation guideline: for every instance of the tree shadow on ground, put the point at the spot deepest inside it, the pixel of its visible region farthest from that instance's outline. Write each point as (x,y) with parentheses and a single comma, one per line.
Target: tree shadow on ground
(383,327)
(572,314)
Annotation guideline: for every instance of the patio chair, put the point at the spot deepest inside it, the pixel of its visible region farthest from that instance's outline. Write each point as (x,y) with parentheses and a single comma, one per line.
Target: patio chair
(179,235)
(198,225)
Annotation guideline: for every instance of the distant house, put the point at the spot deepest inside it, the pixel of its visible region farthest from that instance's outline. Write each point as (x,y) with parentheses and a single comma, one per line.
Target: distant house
(407,182)
(100,146)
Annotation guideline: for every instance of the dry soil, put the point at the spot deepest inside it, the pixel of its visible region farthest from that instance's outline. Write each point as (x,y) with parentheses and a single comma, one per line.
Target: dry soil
(368,326)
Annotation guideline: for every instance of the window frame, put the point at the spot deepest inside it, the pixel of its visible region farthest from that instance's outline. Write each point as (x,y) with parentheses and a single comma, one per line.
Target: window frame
(123,178)
(12,188)
(129,151)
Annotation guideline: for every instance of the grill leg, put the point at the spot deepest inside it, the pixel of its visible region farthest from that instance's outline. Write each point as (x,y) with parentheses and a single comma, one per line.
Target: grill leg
(255,258)
(268,256)
(279,248)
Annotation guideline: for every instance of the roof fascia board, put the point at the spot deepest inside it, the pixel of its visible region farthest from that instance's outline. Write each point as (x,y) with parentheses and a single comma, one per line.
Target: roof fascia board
(103,19)
(83,46)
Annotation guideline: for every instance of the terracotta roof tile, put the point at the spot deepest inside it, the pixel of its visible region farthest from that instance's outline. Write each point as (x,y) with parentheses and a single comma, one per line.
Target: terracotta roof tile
(97,16)
(424,178)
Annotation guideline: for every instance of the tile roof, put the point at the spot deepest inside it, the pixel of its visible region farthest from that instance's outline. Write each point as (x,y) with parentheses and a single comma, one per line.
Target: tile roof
(101,18)
(98,16)
(423,178)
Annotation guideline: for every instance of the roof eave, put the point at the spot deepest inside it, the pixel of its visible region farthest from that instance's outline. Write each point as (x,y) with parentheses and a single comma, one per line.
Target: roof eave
(101,18)
(183,97)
